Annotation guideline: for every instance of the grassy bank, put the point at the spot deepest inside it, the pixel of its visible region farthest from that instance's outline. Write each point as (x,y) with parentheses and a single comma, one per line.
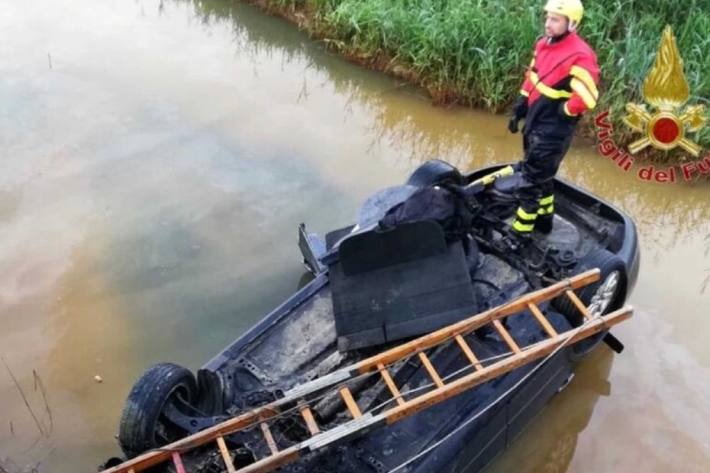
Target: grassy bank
(474,52)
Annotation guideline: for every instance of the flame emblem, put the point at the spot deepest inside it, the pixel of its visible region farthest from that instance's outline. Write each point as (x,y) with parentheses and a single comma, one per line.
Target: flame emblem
(666,90)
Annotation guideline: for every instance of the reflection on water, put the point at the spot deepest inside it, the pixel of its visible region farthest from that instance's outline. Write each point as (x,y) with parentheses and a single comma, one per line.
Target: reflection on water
(153,180)
(549,444)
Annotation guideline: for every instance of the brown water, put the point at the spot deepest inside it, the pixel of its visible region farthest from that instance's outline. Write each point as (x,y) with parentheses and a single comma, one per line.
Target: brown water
(157,157)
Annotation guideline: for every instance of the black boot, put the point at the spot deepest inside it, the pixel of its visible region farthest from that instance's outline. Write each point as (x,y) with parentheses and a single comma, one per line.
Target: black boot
(543,223)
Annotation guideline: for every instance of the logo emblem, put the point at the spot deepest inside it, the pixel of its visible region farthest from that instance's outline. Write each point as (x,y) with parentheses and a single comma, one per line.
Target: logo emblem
(666,90)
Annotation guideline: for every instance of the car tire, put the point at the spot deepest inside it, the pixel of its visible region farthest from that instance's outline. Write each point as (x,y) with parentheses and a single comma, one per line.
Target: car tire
(601,297)
(435,172)
(142,426)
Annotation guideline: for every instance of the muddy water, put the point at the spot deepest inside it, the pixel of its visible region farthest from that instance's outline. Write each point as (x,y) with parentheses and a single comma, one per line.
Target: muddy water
(157,157)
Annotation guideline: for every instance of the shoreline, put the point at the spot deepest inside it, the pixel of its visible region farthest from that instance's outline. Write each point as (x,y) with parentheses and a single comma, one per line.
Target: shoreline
(303,15)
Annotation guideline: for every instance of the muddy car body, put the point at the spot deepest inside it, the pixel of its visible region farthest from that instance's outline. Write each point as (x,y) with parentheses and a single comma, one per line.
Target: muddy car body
(312,334)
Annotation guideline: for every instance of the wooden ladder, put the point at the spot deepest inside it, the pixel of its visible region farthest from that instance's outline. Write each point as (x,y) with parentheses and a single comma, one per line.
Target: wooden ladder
(301,398)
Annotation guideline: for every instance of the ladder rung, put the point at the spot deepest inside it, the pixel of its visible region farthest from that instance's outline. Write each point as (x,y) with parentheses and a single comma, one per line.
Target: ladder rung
(430,369)
(468,352)
(269,438)
(578,303)
(225,455)
(310,420)
(506,336)
(542,319)
(390,383)
(350,402)
(177,461)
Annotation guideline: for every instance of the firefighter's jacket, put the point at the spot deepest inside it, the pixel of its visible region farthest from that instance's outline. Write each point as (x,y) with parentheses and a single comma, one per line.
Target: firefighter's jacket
(560,85)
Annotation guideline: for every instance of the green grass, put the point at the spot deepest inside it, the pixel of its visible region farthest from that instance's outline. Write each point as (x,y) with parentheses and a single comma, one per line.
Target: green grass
(474,52)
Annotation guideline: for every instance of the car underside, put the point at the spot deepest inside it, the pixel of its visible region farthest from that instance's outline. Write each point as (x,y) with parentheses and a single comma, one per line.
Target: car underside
(444,267)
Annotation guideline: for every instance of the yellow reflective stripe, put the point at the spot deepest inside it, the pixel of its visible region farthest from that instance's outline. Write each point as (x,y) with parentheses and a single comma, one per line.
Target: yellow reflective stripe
(546,210)
(583,92)
(522,214)
(522,227)
(586,78)
(524,92)
(547,200)
(546,90)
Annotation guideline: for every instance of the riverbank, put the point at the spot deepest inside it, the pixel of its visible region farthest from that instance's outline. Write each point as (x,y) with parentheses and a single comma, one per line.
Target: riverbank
(474,53)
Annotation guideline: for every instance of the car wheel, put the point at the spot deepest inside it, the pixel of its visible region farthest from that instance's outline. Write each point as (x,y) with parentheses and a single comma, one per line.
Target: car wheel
(601,297)
(143,424)
(435,172)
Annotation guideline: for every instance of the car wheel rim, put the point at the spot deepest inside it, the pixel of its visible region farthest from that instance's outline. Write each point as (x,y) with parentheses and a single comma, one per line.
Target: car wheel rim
(604,295)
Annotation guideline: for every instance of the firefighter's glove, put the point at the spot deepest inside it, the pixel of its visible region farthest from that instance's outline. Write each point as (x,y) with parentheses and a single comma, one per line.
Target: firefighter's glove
(520,109)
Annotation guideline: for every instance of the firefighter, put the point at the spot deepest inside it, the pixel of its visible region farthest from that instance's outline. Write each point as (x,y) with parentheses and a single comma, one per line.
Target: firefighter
(559,86)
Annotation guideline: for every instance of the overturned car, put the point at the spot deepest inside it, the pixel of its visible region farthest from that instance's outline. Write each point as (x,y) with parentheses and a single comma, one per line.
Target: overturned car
(421,256)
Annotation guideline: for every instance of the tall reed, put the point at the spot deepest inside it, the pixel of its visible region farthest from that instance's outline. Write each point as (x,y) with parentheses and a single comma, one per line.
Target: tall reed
(475,51)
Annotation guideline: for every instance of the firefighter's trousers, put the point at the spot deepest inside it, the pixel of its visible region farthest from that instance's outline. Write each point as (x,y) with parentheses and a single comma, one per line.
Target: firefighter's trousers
(543,153)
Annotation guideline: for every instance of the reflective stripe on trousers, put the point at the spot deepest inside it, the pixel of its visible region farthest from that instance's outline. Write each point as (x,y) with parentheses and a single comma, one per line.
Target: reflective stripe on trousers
(524,221)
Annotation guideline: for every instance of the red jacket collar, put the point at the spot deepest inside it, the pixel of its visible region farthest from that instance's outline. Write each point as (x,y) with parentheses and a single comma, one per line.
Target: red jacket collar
(569,37)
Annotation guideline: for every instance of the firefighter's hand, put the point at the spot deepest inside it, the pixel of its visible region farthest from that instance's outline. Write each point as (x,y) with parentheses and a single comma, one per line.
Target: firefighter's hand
(520,109)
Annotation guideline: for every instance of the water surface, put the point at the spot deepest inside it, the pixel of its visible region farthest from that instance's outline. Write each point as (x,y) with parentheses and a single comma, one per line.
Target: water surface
(157,158)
